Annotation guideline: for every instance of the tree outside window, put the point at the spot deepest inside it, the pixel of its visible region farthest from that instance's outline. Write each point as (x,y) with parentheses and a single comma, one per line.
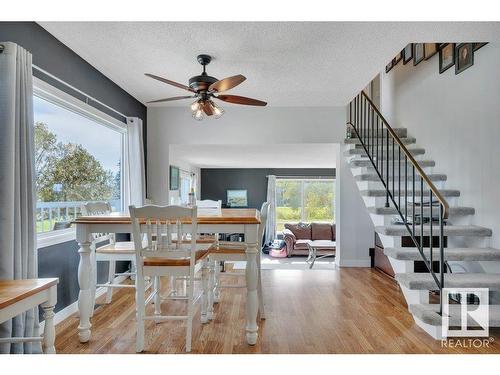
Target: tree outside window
(305,200)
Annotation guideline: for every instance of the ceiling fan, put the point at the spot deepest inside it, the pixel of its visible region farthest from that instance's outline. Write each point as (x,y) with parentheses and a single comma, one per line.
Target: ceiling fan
(204,88)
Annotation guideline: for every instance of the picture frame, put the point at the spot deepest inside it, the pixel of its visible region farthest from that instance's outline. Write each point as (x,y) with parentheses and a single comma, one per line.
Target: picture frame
(479,45)
(174,178)
(418,53)
(389,66)
(430,49)
(398,58)
(407,53)
(237,198)
(464,57)
(446,57)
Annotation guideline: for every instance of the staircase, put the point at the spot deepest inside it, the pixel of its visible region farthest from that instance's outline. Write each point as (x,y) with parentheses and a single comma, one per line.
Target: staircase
(406,198)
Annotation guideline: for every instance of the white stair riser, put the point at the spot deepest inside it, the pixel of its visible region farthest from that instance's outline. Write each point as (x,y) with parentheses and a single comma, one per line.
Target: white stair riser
(377,185)
(380,201)
(414,297)
(387,219)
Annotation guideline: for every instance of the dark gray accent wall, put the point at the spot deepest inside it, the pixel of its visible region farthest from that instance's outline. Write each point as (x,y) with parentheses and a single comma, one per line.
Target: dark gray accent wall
(215,181)
(51,55)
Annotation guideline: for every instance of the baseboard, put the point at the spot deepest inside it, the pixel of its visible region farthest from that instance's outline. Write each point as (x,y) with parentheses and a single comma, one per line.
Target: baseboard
(69,310)
(355,262)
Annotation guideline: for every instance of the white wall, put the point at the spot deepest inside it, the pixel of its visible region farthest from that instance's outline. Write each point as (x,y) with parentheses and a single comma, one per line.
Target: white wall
(456,118)
(276,126)
(184,165)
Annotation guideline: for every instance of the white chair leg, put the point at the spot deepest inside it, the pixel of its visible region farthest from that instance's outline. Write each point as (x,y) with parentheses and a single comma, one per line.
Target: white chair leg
(216,282)
(173,286)
(111,277)
(157,297)
(189,325)
(204,295)
(133,270)
(211,284)
(139,312)
(259,288)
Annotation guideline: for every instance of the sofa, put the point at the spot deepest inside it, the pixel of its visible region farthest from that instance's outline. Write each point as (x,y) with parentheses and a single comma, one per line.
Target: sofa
(297,236)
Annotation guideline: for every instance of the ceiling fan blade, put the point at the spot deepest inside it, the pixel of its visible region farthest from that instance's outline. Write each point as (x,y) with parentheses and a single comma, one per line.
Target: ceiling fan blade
(170,99)
(226,83)
(235,99)
(207,108)
(169,82)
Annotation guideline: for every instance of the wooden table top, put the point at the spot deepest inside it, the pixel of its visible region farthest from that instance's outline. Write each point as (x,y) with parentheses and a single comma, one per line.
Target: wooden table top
(12,291)
(227,216)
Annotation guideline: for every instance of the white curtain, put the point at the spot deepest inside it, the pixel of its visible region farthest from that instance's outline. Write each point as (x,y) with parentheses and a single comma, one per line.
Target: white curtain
(271,219)
(18,257)
(135,178)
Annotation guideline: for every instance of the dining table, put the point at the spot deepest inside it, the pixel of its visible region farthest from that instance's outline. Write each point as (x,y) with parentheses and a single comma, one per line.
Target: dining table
(224,221)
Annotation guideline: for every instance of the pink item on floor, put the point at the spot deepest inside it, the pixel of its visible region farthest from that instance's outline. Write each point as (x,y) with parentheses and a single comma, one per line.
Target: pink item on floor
(278,253)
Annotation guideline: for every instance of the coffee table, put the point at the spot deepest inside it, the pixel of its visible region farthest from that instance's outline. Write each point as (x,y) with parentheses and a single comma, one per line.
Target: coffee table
(313,246)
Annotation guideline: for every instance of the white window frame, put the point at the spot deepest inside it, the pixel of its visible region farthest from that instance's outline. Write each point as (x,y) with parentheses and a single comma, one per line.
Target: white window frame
(62,99)
(302,188)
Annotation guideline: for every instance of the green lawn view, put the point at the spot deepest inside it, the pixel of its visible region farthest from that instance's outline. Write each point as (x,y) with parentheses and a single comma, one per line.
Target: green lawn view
(304,200)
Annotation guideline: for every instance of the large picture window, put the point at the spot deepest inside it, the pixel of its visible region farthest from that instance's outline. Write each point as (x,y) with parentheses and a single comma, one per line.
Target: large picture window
(78,158)
(305,200)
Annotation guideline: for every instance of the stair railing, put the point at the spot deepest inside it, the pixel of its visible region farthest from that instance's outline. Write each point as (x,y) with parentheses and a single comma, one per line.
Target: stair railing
(376,135)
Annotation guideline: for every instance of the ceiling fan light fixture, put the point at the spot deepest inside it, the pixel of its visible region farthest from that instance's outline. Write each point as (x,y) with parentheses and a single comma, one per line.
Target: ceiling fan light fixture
(198,115)
(218,111)
(195,106)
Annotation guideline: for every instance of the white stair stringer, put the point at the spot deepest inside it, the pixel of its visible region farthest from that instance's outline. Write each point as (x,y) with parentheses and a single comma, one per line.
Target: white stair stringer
(468,244)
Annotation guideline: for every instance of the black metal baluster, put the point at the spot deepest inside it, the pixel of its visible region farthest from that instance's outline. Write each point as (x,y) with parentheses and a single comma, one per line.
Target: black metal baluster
(422,214)
(441,258)
(393,170)
(377,142)
(431,224)
(368,130)
(413,200)
(399,178)
(387,169)
(406,189)
(373,140)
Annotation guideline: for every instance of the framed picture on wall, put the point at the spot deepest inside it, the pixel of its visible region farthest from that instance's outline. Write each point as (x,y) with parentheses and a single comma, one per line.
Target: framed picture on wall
(464,57)
(389,66)
(237,198)
(174,178)
(446,57)
(418,53)
(430,50)
(398,58)
(479,45)
(407,53)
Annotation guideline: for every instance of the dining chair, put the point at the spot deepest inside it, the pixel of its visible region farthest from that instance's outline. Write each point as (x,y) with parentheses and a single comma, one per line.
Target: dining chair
(234,251)
(171,249)
(111,252)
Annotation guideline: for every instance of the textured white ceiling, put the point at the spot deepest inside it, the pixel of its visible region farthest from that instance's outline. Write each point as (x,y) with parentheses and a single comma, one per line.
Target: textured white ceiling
(257,156)
(286,63)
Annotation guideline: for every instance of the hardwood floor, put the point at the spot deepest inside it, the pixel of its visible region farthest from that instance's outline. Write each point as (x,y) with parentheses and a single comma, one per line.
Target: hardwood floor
(348,310)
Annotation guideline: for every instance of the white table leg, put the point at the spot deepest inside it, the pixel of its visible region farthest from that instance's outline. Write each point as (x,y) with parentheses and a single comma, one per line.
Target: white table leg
(251,274)
(49,332)
(84,280)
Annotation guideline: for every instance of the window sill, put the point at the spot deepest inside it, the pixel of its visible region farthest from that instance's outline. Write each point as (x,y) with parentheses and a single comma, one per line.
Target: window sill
(55,237)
